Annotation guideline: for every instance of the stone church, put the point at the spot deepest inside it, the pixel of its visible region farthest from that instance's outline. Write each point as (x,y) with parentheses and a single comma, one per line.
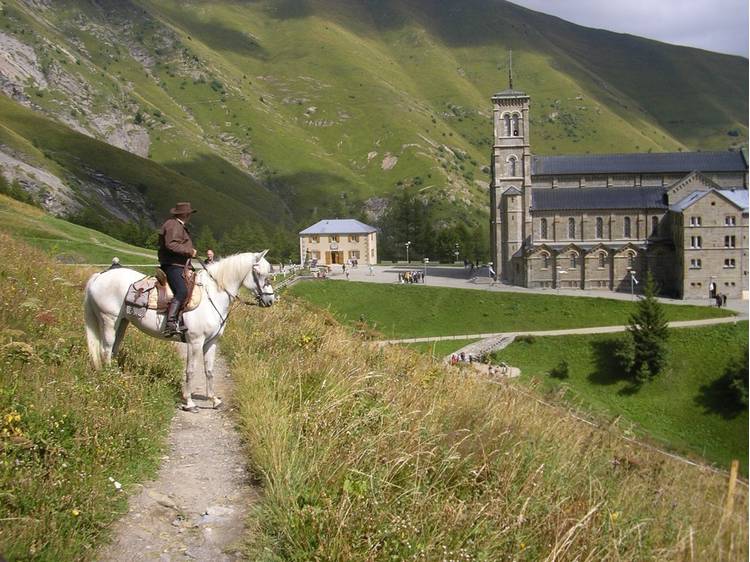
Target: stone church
(603,221)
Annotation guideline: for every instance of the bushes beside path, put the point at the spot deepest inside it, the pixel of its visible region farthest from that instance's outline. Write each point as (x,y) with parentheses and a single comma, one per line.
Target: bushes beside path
(69,436)
(381,454)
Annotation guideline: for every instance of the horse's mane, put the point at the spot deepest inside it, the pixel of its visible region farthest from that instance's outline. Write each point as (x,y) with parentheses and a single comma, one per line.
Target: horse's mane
(234,267)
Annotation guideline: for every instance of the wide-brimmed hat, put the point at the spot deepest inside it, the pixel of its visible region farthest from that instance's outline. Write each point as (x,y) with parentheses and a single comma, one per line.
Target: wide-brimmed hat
(183,208)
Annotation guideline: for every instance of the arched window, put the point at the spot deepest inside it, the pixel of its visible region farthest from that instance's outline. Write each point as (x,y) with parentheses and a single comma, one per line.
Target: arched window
(599,228)
(506,120)
(654,226)
(573,260)
(515,125)
(626,227)
(543,229)
(571,227)
(631,259)
(512,161)
(602,259)
(545,260)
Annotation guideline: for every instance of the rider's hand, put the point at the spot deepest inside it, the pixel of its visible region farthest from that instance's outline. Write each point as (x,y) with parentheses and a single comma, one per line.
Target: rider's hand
(195,252)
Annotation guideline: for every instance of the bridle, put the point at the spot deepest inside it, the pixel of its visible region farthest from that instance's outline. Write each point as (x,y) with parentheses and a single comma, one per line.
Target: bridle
(235,300)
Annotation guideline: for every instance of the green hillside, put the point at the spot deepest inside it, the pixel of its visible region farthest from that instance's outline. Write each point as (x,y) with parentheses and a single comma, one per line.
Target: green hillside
(286,111)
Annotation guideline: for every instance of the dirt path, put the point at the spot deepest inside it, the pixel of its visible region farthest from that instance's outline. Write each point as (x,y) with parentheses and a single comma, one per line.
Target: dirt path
(196,507)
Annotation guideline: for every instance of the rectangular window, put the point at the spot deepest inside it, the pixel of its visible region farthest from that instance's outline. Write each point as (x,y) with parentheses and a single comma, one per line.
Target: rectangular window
(730,221)
(696,242)
(695,264)
(353,238)
(354,255)
(729,263)
(695,221)
(315,238)
(730,241)
(334,237)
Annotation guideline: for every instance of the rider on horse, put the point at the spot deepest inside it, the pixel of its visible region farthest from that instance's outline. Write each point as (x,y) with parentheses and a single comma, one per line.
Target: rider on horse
(175,250)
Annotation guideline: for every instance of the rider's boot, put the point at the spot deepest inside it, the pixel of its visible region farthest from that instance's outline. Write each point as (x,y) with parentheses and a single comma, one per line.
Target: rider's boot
(171,328)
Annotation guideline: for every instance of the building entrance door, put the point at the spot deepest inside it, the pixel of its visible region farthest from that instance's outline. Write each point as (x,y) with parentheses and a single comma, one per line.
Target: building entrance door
(335,257)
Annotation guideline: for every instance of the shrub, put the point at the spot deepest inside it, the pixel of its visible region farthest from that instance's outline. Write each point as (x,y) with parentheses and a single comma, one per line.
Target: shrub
(560,371)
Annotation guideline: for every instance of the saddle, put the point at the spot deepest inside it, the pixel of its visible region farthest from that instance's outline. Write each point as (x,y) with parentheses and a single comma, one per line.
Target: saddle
(153,293)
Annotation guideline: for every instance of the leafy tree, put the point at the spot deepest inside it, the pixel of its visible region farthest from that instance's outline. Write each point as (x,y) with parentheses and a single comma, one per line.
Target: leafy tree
(648,332)
(737,375)
(206,239)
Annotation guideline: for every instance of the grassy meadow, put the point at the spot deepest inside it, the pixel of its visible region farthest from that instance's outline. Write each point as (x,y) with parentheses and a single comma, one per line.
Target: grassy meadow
(64,241)
(368,453)
(67,433)
(685,408)
(405,311)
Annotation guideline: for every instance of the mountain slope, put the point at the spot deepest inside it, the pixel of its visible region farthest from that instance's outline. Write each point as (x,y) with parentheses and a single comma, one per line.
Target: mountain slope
(299,109)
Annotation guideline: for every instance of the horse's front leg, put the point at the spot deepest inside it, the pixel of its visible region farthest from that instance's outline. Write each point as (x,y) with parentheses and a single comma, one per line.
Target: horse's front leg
(194,353)
(209,356)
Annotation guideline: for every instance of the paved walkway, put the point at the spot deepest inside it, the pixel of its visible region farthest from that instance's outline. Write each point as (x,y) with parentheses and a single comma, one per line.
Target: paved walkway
(566,332)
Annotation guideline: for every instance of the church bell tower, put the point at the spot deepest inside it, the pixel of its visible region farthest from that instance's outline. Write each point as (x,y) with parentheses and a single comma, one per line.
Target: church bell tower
(510,190)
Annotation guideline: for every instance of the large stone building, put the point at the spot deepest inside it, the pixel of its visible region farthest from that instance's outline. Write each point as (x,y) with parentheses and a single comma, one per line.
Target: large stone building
(597,221)
(336,241)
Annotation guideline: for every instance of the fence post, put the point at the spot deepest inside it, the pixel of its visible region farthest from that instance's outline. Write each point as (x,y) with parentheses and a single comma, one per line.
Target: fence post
(729,503)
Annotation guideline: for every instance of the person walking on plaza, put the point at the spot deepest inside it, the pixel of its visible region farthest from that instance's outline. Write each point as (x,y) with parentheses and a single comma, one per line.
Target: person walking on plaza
(175,251)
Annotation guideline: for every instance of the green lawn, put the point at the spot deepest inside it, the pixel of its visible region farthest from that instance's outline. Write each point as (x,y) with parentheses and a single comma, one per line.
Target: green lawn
(405,311)
(439,349)
(685,407)
(67,242)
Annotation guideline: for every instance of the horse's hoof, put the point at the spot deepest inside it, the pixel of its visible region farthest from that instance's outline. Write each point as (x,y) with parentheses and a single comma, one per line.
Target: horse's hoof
(192,409)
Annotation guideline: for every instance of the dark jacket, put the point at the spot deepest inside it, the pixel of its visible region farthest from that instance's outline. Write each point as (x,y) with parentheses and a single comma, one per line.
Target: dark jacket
(175,245)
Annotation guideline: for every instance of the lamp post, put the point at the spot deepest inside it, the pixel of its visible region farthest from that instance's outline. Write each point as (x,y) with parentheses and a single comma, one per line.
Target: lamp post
(456,252)
(426,261)
(407,244)
(633,282)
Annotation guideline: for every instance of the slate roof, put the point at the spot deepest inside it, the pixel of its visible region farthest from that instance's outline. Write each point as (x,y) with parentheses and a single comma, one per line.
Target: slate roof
(639,163)
(570,198)
(739,197)
(339,226)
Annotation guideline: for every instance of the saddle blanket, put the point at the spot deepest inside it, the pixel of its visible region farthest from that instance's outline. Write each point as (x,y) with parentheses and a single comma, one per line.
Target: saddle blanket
(148,294)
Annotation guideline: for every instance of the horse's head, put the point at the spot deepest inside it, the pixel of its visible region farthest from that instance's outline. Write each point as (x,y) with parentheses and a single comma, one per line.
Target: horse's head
(257,281)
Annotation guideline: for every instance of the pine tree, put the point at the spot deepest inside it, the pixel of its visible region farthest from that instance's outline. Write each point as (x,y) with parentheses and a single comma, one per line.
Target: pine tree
(649,332)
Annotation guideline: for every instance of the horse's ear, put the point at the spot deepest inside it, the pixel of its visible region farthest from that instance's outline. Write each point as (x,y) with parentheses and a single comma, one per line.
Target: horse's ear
(262,255)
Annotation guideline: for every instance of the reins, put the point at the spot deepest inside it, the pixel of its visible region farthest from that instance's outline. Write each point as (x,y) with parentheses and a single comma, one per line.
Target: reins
(234,300)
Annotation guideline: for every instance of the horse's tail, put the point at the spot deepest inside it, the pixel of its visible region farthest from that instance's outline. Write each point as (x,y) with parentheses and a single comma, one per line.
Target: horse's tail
(93,327)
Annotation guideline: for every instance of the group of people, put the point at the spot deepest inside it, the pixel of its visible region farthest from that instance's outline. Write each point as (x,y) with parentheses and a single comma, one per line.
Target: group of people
(462,358)
(411,277)
(720,299)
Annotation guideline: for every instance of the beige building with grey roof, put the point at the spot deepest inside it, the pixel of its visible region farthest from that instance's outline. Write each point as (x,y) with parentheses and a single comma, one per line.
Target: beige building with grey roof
(603,221)
(338,241)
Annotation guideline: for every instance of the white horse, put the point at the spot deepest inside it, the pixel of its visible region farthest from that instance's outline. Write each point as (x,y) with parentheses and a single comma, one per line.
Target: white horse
(106,318)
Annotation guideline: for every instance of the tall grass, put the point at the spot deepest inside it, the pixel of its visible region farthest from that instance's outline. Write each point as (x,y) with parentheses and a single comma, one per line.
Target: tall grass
(65,429)
(382,454)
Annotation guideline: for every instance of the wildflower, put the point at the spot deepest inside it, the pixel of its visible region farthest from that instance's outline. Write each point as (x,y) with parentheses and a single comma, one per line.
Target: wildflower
(75,512)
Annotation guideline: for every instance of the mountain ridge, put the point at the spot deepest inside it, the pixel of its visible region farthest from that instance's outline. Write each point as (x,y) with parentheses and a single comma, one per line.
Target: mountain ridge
(302,109)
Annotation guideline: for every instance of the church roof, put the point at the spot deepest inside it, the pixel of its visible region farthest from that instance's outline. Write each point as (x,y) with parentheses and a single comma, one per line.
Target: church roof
(643,163)
(737,197)
(339,226)
(570,198)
